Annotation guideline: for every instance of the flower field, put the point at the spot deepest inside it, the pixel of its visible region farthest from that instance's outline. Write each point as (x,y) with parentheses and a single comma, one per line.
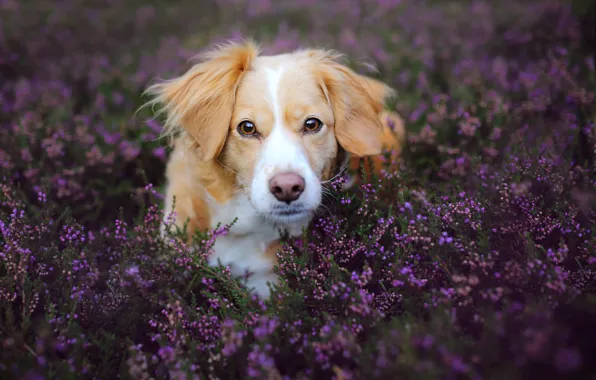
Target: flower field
(476,260)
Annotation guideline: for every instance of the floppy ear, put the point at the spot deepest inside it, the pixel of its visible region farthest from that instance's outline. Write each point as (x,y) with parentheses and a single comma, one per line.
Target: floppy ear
(201,101)
(357,102)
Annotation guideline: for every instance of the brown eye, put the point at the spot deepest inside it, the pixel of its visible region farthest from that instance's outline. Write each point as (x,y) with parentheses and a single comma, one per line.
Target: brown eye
(247,128)
(312,125)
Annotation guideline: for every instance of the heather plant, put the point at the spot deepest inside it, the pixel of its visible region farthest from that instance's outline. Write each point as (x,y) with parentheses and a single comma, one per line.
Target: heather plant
(475,259)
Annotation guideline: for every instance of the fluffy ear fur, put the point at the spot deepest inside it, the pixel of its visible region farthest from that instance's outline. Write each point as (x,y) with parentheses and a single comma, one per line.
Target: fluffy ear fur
(201,101)
(357,103)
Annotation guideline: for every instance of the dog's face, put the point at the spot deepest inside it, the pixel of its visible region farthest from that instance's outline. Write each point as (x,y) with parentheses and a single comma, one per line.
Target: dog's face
(280,141)
(278,123)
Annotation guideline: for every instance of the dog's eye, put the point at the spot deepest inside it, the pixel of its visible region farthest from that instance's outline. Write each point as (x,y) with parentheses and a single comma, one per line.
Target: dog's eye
(247,128)
(312,125)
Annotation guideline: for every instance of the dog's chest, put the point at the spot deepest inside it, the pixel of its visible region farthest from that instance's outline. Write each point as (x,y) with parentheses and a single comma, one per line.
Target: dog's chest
(245,245)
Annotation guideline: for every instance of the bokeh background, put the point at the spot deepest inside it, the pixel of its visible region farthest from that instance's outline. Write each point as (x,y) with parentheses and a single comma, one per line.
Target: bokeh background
(474,260)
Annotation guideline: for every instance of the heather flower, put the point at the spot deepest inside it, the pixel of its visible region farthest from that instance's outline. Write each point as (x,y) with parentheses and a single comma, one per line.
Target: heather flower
(476,252)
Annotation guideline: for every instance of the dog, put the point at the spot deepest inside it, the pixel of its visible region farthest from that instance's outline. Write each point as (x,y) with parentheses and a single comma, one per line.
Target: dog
(256,138)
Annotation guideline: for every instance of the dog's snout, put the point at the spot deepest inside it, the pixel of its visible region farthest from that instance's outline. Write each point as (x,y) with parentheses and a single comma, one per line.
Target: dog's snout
(286,187)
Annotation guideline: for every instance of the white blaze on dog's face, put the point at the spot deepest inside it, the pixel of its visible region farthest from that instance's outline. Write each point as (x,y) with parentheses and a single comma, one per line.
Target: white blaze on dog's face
(281,143)
(275,123)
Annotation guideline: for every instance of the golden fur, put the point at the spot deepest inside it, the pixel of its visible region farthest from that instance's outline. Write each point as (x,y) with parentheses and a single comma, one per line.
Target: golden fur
(211,162)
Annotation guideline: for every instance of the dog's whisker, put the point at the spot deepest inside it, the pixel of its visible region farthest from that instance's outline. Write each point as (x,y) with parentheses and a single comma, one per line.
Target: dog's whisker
(230,169)
(323,210)
(328,193)
(341,171)
(238,191)
(260,200)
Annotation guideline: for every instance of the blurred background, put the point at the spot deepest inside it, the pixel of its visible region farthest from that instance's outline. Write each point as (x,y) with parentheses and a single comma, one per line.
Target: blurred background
(480,240)
(92,60)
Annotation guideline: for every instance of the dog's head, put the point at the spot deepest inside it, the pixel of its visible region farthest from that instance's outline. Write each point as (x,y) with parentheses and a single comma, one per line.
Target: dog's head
(278,123)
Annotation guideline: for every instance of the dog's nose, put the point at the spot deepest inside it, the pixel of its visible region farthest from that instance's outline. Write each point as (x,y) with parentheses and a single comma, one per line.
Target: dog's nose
(286,187)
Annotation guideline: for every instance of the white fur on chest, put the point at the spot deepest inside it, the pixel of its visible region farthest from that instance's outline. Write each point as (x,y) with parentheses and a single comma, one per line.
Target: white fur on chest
(245,244)
(244,247)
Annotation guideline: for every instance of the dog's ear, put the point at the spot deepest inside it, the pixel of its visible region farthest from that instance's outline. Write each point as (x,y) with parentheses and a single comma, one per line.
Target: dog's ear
(201,101)
(357,102)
